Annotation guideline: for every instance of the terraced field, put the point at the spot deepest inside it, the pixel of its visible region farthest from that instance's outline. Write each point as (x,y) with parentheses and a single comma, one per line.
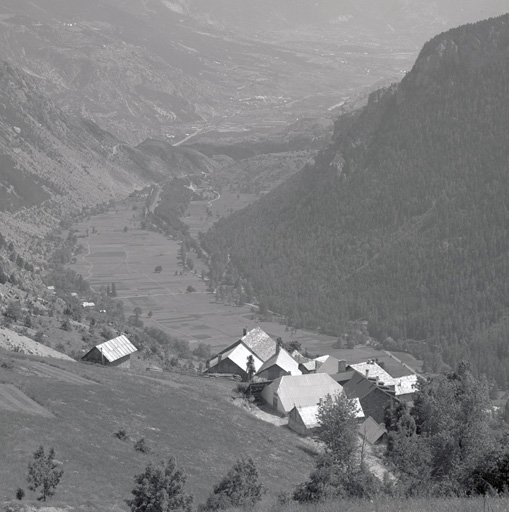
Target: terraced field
(13,399)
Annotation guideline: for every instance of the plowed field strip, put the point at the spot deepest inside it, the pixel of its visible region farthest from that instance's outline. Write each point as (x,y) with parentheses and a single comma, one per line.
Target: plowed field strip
(58,374)
(13,399)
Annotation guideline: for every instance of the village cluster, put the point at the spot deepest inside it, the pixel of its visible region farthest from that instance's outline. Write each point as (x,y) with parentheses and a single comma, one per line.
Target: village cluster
(292,384)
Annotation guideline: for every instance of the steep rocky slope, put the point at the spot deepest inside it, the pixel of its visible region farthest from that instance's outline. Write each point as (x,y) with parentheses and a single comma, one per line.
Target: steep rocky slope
(52,162)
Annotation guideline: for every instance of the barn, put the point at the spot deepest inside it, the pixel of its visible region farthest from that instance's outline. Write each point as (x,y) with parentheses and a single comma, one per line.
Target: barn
(291,391)
(115,352)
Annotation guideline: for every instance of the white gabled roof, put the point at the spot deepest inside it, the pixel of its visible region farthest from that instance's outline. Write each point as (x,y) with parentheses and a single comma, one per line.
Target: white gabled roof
(372,370)
(402,385)
(309,415)
(238,354)
(406,385)
(304,390)
(284,360)
(116,348)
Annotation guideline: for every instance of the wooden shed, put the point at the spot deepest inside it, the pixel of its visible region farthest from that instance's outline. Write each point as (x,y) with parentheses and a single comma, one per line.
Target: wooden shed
(114,352)
(303,420)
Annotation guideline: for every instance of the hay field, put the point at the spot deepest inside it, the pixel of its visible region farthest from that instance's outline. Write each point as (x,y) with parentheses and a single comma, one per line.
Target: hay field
(128,259)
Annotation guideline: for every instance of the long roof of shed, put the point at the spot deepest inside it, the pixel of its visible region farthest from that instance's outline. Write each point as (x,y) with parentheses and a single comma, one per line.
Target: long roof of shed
(116,348)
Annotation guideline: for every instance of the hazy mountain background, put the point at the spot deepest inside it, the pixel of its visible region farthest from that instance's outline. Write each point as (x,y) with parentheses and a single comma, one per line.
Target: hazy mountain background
(153,68)
(403,220)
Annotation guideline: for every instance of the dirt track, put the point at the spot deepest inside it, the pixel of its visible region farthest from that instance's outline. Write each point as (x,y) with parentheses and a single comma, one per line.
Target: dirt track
(57,374)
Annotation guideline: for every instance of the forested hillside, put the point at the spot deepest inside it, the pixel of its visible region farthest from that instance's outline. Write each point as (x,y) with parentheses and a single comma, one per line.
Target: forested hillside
(404,220)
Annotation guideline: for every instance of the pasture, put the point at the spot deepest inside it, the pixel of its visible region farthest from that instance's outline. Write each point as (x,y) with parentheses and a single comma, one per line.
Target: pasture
(191,418)
(128,259)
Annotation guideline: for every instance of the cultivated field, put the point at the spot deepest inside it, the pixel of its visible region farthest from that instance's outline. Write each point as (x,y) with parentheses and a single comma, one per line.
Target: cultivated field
(128,259)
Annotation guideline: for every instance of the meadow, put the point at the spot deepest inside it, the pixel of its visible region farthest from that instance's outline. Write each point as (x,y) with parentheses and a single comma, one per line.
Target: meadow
(191,418)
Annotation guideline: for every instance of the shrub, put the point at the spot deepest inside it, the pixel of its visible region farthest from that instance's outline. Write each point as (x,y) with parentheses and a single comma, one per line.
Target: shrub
(160,488)
(121,434)
(142,446)
(238,488)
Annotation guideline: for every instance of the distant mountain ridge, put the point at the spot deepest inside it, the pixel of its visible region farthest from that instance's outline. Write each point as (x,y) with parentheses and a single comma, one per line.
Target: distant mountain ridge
(146,69)
(52,163)
(403,220)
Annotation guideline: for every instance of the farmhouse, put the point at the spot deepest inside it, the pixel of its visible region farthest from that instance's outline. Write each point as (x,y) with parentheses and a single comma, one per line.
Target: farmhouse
(233,359)
(373,396)
(115,352)
(291,391)
(281,363)
(402,387)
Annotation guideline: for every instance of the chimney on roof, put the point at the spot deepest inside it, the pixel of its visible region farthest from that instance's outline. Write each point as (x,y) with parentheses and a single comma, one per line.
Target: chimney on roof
(341,366)
(219,357)
(367,373)
(244,331)
(377,379)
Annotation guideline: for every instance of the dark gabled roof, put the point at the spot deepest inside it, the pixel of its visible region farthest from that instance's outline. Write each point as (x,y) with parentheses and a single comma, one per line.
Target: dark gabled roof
(358,386)
(260,343)
(343,377)
(371,430)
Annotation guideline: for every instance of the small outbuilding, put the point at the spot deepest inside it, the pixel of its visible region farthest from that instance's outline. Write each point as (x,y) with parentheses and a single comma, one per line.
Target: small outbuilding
(303,420)
(115,352)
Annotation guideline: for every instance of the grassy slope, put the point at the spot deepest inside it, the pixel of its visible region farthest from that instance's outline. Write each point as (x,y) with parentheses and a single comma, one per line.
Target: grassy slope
(188,417)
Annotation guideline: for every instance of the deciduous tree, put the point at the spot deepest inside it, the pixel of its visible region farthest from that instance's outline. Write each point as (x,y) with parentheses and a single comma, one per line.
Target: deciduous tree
(44,473)
(238,488)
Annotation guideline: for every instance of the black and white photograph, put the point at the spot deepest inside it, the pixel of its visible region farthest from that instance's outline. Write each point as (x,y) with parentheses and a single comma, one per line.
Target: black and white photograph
(254,255)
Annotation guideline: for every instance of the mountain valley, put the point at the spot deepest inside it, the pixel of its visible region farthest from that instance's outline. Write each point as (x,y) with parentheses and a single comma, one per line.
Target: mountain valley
(179,172)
